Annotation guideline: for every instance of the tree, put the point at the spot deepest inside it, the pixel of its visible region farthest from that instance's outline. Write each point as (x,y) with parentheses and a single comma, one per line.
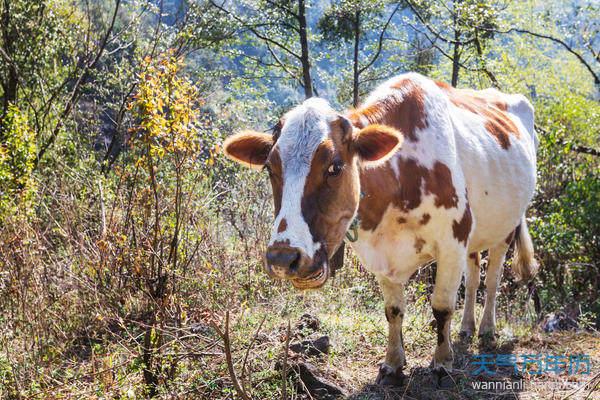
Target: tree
(49,51)
(472,24)
(282,32)
(349,21)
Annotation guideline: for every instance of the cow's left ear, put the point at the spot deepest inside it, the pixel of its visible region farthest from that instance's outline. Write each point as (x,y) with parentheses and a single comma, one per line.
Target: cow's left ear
(376,143)
(249,148)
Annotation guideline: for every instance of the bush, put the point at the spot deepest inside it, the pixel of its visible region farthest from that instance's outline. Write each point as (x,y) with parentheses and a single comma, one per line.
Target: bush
(17,159)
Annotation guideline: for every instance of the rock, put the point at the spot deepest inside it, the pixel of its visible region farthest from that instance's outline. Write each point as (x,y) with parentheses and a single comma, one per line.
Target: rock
(312,347)
(318,387)
(559,321)
(306,324)
(202,329)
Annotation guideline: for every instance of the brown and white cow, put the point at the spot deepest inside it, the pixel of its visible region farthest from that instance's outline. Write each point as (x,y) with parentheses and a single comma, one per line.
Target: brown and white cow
(429,171)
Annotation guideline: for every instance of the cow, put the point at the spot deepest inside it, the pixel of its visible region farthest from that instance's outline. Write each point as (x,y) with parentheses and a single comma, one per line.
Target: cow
(429,171)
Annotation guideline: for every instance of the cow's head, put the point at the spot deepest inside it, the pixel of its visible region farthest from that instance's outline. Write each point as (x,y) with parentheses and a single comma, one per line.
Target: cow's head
(312,160)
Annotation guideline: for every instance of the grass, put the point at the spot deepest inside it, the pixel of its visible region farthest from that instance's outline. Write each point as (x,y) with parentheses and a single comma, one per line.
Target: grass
(106,364)
(74,321)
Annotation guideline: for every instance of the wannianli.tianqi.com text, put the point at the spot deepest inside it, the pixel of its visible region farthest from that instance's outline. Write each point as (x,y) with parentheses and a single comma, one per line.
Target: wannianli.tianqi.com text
(522,385)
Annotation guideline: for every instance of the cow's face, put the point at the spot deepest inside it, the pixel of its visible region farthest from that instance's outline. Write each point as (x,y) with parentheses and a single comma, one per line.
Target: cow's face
(312,162)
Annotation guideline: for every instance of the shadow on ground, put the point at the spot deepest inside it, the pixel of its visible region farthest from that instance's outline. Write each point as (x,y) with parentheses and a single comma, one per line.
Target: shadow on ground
(424,383)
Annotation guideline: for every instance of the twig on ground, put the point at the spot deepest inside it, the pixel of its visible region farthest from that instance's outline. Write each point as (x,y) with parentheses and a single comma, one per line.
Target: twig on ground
(571,393)
(227,344)
(285,366)
(250,347)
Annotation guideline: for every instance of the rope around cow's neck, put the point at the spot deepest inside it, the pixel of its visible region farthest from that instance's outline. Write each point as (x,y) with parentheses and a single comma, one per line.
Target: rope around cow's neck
(354,229)
(354,226)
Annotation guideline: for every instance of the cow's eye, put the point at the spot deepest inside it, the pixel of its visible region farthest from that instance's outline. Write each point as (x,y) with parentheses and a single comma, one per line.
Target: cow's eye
(335,168)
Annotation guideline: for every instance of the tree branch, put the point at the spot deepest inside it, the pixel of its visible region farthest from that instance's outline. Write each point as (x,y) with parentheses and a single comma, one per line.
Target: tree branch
(555,40)
(77,87)
(438,35)
(380,42)
(255,32)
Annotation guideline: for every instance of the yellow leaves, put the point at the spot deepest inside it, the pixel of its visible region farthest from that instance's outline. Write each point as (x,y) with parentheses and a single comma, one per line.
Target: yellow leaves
(166,107)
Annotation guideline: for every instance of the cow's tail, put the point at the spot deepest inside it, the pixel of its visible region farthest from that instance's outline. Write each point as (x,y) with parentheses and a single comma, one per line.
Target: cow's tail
(525,265)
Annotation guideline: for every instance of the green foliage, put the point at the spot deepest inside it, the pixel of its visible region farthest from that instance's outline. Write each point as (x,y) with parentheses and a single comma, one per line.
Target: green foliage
(17,156)
(339,22)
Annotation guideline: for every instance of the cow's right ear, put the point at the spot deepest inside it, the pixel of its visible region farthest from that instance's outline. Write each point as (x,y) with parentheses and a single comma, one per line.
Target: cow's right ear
(249,148)
(375,144)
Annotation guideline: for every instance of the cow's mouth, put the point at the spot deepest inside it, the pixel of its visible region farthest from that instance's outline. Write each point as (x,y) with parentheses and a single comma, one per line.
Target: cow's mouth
(313,281)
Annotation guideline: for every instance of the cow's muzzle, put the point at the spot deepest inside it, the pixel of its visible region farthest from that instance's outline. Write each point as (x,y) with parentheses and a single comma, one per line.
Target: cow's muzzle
(292,263)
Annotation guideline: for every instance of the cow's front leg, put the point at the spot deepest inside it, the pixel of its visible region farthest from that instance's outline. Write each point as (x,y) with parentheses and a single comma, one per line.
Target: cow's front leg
(450,267)
(390,373)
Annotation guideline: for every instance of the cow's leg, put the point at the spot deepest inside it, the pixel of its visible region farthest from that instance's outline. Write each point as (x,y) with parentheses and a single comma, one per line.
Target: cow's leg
(450,266)
(467,327)
(492,280)
(390,373)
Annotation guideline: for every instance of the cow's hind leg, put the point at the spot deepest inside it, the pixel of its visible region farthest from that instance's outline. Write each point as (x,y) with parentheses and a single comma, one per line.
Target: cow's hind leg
(450,267)
(467,328)
(390,373)
(492,280)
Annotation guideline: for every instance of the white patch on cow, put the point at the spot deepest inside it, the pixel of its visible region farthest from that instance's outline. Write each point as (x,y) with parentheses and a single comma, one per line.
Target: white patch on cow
(305,127)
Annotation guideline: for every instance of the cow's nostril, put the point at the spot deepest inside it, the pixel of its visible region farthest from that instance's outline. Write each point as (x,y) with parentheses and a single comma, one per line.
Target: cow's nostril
(295,262)
(284,258)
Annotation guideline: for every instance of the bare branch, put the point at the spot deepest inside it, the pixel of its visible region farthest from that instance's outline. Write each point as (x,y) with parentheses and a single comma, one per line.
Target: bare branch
(77,87)
(282,7)
(380,42)
(438,35)
(555,40)
(256,32)
(227,344)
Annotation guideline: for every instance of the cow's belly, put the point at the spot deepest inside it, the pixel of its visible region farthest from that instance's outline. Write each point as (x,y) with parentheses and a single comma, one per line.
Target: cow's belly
(400,243)
(500,183)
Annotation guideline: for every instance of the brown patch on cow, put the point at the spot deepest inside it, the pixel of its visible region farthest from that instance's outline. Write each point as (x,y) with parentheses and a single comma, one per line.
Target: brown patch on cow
(281,243)
(476,257)
(425,219)
(488,105)
(404,192)
(441,317)
(391,313)
(274,164)
(401,220)
(510,237)
(282,226)
(440,185)
(418,245)
(328,202)
(277,128)
(462,228)
(406,115)
(355,119)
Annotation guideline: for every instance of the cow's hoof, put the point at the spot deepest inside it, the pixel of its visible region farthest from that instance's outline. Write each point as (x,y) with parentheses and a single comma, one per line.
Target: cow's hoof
(438,366)
(442,377)
(388,377)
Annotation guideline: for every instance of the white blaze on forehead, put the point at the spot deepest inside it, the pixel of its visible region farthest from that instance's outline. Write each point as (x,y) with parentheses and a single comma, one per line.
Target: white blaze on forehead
(305,127)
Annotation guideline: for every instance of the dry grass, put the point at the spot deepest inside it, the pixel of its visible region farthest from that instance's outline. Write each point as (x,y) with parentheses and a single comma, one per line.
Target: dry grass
(76,318)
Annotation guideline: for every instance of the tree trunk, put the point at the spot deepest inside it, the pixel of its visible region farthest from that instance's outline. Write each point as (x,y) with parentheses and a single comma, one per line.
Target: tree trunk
(456,53)
(9,82)
(308,87)
(356,43)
